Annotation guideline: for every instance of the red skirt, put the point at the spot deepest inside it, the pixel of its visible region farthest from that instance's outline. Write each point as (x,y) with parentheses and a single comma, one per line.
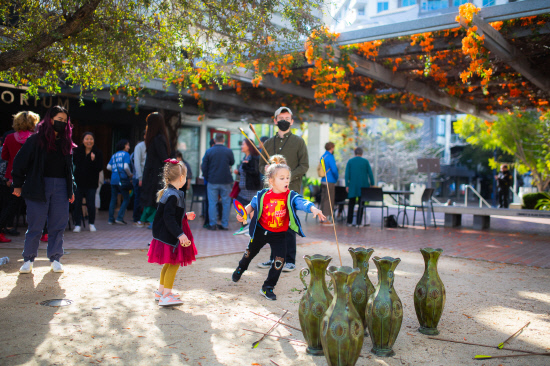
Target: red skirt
(163,253)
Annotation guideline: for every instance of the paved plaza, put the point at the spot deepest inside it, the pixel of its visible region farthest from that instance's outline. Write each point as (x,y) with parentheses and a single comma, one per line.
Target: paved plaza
(524,241)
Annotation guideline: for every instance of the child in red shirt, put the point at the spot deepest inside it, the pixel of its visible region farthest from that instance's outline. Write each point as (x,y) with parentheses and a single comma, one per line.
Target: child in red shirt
(273,212)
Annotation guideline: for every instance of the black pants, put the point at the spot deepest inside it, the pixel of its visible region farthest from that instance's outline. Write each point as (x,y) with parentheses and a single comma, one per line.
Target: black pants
(290,239)
(503,195)
(89,194)
(278,251)
(351,206)
(11,205)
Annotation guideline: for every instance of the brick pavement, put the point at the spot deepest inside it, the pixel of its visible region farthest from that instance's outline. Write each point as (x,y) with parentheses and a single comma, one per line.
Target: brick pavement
(517,241)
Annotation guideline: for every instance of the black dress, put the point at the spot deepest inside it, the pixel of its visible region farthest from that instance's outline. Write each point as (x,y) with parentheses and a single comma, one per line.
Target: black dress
(86,171)
(152,171)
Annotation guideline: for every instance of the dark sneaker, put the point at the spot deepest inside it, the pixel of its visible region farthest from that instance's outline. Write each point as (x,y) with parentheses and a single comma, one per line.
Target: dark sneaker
(265,265)
(268,293)
(237,274)
(222,228)
(11,232)
(213,228)
(120,222)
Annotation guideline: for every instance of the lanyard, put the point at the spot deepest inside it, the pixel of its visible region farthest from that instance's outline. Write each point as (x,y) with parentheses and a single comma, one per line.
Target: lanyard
(282,147)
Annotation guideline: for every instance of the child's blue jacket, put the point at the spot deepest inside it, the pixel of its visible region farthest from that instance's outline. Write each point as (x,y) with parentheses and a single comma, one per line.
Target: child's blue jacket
(295,202)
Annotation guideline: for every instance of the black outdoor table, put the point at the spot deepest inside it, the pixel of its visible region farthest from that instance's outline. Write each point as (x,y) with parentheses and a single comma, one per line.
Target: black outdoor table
(396,196)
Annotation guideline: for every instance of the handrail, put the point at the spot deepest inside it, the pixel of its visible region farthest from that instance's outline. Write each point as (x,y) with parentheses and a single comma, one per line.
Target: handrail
(481,199)
(436,200)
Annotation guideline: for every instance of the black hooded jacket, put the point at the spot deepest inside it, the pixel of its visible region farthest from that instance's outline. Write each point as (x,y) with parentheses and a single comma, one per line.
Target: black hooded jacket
(28,171)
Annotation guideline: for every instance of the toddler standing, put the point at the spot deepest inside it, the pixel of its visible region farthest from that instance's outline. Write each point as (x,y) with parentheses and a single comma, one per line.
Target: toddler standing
(273,212)
(172,244)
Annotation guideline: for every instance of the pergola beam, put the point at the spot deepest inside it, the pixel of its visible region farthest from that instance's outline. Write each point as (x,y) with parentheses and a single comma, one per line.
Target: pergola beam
(442,22)
(236,101)
(271,82)
(378,72)
(495,43)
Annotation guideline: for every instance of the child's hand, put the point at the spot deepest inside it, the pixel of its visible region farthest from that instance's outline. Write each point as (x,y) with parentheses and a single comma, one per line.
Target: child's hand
(184,241)
(315,211)
(240,218)
(191,216)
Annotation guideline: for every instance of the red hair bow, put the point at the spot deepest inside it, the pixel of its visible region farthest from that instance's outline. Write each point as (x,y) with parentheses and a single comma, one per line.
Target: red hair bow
(172,161)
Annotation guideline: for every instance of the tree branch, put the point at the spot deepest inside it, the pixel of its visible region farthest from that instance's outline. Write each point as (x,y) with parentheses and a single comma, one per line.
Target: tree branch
(74,24)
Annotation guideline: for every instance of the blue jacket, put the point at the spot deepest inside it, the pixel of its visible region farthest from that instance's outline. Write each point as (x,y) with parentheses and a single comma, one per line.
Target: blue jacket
(216,165)
(295,202)
(330,166)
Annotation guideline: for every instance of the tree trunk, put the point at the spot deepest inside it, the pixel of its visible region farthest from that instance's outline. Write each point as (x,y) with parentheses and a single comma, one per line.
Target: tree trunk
(73,25)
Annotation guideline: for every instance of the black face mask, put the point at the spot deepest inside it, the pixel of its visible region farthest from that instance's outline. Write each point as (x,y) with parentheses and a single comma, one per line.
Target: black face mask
(59,126)
(283,125)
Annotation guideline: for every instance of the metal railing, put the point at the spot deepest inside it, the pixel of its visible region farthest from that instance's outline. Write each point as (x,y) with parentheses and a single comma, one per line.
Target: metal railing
(481,199)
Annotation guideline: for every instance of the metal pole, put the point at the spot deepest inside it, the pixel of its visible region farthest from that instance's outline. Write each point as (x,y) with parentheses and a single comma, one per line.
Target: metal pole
(376,161)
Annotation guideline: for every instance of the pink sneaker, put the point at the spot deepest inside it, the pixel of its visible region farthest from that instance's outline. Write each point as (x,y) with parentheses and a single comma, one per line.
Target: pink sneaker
(158,295)
(169,300)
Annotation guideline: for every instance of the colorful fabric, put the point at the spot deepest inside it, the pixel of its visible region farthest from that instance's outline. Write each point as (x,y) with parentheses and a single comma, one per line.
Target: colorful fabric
(275,216)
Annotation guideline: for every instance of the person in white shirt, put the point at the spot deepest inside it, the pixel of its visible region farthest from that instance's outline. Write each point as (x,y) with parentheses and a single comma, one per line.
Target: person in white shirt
(139,155)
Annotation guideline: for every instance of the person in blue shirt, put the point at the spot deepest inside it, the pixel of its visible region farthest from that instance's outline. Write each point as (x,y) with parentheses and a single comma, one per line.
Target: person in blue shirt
(121,182)
(331,178)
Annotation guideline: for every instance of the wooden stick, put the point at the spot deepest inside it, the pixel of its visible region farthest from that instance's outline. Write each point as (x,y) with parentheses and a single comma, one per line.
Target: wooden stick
(480,345)
(512,336)
(255,344)
(275,363)
(331,211)
(273,320)
(253,144)
(260,141)
(485,357)
(271,335)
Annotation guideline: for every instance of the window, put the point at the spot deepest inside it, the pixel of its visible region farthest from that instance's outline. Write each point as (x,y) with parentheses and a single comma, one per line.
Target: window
(382,6)
(428,5)
(459,2)
(441,126)
(188,145)
(361,11)
(408,2)
(488,2)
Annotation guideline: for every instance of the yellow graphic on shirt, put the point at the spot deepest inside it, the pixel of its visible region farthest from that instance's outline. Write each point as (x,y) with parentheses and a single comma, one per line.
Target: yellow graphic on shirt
(275,211)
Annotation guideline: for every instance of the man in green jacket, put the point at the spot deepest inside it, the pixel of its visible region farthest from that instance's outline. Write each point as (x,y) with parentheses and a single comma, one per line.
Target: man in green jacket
(358,175)
(294,149)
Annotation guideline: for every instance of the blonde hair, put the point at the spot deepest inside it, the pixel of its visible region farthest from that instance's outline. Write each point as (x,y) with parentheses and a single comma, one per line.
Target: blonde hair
(25,121)
(171,172)
(277,162)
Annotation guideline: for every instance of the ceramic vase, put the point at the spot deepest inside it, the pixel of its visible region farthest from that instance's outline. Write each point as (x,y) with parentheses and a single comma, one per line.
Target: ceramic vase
(362,287)
(429,294)
(315,301)
(342,331)
(384,309)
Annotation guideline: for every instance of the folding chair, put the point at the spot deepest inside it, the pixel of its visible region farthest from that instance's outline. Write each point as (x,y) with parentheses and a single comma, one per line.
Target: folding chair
(426,197)
(315,193)
(199,196)
(340,199)
(370,195)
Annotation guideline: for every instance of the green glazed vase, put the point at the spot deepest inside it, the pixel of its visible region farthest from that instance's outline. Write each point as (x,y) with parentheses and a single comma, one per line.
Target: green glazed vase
(429,294)
(315,301)
(384,309)
(342,331)
(362,287)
